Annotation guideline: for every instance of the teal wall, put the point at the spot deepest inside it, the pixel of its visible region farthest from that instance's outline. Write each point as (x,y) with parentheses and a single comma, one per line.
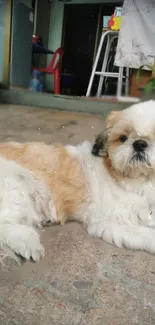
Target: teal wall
(56,23)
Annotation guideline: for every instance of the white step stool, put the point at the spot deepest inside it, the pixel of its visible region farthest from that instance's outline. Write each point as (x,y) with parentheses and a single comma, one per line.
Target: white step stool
(110,35)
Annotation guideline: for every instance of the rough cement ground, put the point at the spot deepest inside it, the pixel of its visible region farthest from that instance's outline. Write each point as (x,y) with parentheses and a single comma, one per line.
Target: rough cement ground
(82,280)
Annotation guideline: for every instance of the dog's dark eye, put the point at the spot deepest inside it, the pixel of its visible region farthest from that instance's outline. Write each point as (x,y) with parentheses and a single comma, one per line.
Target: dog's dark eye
(123,138)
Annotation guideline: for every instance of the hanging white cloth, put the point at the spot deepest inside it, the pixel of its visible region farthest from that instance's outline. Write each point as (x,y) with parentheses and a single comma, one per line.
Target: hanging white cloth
(136,43)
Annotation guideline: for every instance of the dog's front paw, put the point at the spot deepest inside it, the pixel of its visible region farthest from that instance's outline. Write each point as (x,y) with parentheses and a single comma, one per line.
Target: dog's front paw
(26,243)
(31,248)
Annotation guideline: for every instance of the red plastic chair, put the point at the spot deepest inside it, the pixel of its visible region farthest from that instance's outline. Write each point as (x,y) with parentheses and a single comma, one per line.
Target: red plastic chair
(54,69)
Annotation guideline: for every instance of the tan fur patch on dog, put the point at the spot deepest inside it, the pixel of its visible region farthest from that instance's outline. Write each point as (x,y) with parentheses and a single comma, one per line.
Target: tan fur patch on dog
(58,170)
(116,176)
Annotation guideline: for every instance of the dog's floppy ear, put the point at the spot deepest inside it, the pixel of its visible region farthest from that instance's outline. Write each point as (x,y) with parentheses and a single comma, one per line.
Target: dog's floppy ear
(100,146)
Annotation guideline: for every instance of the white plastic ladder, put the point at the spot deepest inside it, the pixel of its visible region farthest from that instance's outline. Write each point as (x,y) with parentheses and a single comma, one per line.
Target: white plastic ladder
(111,35)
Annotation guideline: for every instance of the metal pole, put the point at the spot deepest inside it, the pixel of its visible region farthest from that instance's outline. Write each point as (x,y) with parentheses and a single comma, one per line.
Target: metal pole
(35,17)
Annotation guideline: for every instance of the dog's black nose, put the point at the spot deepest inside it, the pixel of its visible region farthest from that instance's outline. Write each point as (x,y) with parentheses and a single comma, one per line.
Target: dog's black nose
(140,145)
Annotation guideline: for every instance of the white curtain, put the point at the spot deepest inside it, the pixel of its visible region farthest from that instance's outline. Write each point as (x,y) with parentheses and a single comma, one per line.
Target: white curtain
(136,43)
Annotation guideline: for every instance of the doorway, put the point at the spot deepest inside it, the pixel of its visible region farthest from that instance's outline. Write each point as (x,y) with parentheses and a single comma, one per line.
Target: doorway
(80,22)
(82,30)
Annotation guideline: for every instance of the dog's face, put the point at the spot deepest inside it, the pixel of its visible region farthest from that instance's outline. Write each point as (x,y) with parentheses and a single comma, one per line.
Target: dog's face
(128,139)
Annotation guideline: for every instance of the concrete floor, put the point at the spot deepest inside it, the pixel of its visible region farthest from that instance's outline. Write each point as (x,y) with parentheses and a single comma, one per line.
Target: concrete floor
(81,280)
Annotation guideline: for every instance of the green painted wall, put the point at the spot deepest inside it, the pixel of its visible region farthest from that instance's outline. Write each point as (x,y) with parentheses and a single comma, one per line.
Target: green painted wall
(56,23)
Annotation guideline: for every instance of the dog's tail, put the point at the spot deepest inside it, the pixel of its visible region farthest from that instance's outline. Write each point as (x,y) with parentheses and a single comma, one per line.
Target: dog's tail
(121,235)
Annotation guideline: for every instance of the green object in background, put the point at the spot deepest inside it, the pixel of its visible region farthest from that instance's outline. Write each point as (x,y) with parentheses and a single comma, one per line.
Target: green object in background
(105,21)
(149,87)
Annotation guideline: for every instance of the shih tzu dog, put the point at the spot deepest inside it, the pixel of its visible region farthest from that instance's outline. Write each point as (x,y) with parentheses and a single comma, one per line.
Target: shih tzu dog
(109,187)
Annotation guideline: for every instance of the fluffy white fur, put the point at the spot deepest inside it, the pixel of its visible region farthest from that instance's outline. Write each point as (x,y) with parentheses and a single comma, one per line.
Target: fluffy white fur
(24,205)
(121,212)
